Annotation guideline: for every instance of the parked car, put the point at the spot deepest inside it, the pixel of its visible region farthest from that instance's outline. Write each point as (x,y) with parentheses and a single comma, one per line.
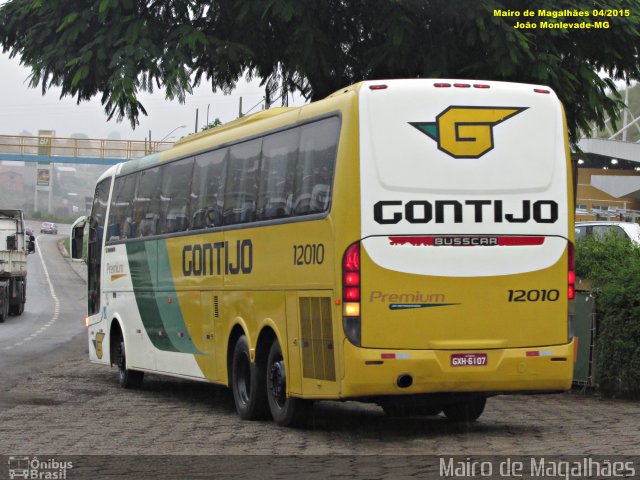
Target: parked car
(602,229)
(48,227)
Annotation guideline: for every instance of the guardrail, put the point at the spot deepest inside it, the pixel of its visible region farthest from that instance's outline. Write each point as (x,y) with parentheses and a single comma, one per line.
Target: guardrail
(121,150)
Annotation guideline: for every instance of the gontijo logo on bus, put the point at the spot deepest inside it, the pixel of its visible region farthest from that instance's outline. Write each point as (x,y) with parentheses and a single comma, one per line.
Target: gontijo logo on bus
(219,258)
(466,132)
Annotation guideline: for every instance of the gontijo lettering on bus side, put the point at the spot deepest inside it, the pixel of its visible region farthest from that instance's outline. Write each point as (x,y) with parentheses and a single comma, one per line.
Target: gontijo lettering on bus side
(217,258)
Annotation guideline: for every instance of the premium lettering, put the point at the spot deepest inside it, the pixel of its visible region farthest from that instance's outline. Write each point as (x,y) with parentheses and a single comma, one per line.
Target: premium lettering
(405,297)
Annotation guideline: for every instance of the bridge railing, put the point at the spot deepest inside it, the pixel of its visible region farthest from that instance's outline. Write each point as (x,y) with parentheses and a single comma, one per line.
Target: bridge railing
(79,147)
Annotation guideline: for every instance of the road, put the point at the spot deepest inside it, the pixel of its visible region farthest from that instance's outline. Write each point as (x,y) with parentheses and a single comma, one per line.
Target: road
(53,313)
(52,401)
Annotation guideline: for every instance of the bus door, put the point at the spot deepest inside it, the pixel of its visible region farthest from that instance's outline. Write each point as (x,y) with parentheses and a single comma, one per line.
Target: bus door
(96,304)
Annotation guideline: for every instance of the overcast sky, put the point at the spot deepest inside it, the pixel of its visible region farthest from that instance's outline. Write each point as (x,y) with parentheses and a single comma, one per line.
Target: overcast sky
(26,109)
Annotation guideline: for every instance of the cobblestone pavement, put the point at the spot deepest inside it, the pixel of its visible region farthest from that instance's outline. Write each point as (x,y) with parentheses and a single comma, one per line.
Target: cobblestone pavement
(68,406)
(74,407)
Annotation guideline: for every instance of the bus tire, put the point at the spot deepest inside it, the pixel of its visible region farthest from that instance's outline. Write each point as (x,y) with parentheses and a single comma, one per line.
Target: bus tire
(286,411)
(247,383)
(465,412)
(129,379)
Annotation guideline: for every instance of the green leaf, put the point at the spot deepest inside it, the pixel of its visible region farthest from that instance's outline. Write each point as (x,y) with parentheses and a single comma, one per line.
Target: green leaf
(68,20)
(104,6)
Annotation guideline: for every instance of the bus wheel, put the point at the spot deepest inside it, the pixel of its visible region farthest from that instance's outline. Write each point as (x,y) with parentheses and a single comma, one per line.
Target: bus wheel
(466,412)
(247,383)
(126,378)
(286,411)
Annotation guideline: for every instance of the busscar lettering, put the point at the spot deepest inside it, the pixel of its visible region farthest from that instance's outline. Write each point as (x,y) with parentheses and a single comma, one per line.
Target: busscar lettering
(217,258)
(389,212)
(465,241)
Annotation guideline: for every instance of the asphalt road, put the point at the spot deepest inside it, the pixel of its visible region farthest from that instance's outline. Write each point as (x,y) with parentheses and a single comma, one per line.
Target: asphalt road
(53,315)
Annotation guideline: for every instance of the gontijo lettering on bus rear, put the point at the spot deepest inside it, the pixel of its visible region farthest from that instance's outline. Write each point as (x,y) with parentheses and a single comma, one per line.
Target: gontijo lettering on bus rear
(471,211)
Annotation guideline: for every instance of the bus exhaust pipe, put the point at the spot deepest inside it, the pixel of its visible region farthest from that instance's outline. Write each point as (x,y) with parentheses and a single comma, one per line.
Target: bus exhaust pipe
(404,381)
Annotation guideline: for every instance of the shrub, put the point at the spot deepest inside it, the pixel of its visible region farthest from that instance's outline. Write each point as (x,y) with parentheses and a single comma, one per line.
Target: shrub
(613,264)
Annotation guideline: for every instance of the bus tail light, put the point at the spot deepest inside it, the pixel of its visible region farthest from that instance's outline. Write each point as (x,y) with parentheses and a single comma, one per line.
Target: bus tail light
(571,277)
(571,291)
(351,294)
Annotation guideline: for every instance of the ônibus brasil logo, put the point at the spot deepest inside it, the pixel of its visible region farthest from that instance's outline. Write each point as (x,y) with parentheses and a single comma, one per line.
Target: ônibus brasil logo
(466,132)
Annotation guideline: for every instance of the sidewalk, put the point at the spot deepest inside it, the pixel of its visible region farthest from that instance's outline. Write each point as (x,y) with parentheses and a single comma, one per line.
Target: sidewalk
(79,267)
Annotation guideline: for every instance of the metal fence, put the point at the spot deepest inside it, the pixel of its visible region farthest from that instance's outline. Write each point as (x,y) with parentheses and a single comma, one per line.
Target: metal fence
(79,147)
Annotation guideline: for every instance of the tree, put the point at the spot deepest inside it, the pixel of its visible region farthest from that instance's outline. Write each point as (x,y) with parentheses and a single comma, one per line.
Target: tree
(211,125)
(118,48)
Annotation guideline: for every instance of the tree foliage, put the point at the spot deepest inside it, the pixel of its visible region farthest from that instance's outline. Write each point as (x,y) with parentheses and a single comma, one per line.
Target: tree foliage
(118,48)
(211,125)
(613,264)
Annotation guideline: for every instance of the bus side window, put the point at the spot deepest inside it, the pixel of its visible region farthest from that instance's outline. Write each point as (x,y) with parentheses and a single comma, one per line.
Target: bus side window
(129,229)
(279,155)
(146,204)
(120,213)
(207,187)
(175,195)
(316,163)
(241,187)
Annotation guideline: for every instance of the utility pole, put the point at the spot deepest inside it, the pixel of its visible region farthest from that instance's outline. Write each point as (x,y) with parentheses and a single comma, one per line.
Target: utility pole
(196,130)
(626,113)
(240,109)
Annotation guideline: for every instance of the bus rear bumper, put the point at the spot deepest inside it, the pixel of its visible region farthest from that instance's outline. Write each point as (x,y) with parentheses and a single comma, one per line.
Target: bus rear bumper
(373,372)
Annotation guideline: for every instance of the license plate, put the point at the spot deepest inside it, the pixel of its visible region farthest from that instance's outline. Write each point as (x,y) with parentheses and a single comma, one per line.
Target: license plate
(468,359)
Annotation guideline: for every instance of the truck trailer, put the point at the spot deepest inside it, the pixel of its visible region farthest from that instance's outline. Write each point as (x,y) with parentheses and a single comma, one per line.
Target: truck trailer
(15,245)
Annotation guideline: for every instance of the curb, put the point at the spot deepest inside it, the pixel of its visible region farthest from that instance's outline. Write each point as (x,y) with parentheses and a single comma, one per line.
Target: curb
(80,268)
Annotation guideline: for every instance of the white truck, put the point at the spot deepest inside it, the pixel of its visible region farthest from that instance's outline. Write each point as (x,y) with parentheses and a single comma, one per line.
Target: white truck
(14,248)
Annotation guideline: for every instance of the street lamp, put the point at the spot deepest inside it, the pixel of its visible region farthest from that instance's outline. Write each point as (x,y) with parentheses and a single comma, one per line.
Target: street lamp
(168,134)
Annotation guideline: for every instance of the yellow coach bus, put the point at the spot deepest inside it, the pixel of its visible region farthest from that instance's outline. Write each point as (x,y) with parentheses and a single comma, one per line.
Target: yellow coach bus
(403,242)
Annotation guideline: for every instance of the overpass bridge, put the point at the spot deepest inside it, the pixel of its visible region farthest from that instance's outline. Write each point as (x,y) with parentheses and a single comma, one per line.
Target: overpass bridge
(49,149)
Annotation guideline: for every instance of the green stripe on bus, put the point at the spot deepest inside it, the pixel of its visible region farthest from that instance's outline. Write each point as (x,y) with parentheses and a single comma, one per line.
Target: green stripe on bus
(169,305)
(145,296)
